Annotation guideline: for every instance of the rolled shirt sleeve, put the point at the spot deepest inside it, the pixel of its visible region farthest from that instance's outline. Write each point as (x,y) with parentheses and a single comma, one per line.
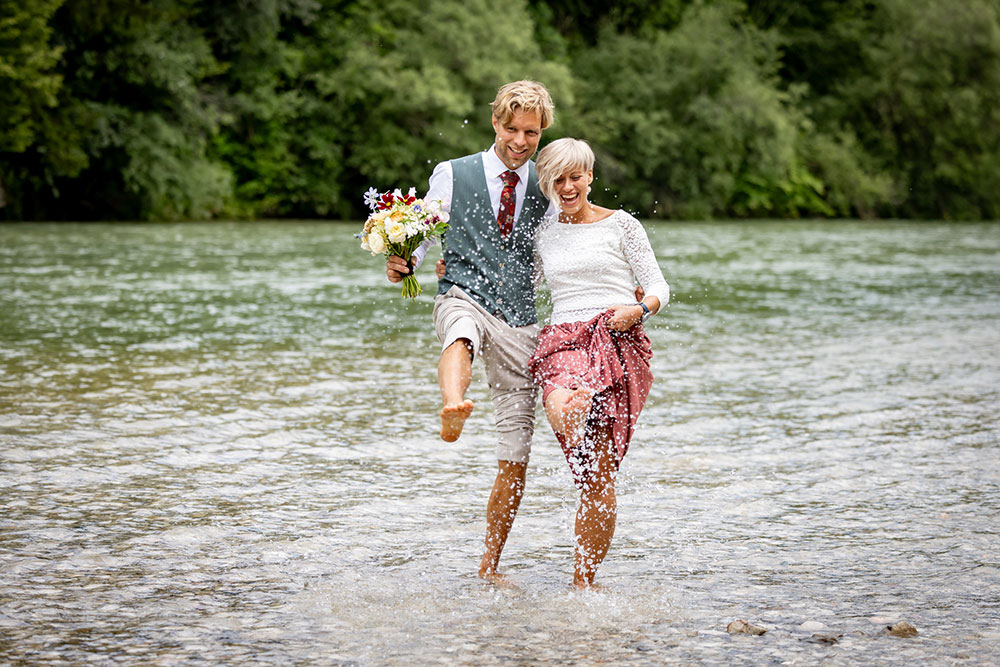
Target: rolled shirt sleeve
(440,188)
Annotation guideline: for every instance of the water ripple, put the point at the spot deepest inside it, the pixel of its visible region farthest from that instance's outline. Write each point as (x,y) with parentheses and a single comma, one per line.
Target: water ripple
(217,445)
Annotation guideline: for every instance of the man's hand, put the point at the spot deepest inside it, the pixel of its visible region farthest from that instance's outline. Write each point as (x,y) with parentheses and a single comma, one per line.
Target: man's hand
(640,293)
(625,317)
(439,269)
(396,268)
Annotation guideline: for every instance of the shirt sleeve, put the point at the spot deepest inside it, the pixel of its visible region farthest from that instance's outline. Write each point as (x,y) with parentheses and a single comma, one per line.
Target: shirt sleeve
(638,252)
(440,187)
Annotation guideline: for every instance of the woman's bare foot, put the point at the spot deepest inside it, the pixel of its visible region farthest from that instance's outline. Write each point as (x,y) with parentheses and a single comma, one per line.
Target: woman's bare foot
(583,585)
(453,418)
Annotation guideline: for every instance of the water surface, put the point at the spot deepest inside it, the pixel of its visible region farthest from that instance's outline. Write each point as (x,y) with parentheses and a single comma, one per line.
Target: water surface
(218,445)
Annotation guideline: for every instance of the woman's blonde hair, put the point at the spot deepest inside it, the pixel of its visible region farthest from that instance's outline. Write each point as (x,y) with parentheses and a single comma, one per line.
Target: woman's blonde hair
(557,158)
(523,96)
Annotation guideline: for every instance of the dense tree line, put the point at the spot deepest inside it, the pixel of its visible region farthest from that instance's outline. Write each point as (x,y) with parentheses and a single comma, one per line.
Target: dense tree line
(189,109)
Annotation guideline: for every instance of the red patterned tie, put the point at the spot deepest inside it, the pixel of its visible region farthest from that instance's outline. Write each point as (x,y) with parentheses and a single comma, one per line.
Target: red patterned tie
(505,214)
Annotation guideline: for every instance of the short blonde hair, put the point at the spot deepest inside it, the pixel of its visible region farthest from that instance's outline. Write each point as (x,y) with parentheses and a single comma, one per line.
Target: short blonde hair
(523,96)
(557,158)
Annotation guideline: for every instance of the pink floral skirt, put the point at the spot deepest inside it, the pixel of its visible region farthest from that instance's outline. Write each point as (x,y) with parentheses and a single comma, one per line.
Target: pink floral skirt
(614,364)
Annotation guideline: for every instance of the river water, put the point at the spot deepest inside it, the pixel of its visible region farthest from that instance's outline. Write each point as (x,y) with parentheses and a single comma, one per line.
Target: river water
(218,446)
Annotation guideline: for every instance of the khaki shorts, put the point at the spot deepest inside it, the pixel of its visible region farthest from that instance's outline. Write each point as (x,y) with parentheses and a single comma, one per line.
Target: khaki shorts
(505,351)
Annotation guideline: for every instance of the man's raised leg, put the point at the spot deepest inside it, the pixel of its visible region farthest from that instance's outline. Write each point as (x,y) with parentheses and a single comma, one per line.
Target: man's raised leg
(454,376)
(500,512)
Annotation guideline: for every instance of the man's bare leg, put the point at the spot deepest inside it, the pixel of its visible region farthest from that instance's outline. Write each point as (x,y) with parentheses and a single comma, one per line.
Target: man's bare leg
(598,511)
(500,512)
(454,376)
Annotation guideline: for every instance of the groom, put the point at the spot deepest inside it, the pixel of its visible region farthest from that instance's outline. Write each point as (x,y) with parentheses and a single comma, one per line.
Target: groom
(486,300)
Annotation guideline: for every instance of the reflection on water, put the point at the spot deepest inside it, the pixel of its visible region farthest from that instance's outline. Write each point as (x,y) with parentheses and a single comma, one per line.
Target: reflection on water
(217,445)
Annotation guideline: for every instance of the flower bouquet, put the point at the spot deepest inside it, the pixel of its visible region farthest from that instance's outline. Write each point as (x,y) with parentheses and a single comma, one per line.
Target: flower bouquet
(398,225)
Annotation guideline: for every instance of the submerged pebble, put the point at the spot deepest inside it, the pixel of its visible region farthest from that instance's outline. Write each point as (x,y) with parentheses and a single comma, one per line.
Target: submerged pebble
(740,627)
(901,629)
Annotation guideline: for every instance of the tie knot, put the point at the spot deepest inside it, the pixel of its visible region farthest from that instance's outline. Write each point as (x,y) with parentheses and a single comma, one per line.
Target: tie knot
(510,178)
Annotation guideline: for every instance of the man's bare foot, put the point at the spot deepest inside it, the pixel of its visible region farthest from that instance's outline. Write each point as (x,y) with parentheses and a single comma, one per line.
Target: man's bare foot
(498,580)
(453,418)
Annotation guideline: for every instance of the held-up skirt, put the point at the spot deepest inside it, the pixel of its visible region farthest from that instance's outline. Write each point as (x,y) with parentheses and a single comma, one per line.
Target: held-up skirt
(615,365)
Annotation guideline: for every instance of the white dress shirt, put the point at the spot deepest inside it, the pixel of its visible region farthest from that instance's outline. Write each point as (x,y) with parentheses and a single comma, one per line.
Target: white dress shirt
(442,183)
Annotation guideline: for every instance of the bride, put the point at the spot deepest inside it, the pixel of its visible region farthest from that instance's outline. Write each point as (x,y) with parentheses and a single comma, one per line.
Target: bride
(592,360)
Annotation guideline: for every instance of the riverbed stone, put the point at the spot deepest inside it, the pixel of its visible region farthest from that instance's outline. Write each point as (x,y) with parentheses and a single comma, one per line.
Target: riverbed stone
(811,626)
(901,629)
(741,627)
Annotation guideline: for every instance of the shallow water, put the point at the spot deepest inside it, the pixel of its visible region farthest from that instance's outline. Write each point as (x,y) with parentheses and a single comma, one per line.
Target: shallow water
(217,445)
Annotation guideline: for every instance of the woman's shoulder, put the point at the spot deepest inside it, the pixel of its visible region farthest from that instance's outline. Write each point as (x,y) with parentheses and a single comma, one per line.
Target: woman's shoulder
(548,221)
(621,215)
(626,221)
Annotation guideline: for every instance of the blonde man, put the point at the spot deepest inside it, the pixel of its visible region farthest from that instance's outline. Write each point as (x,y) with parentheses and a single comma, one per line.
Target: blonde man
(486,300)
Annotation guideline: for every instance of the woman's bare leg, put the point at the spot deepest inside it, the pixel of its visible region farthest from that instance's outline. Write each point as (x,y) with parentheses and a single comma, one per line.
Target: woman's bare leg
(567,410)
(598,510)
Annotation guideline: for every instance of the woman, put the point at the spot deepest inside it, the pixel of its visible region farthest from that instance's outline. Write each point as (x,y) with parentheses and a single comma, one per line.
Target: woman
(592,360)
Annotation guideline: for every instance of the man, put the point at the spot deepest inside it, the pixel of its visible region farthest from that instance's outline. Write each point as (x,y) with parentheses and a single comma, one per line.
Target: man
(486,300)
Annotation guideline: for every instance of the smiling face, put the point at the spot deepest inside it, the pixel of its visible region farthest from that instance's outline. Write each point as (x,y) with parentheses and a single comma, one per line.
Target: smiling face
(571,189)
(517,137)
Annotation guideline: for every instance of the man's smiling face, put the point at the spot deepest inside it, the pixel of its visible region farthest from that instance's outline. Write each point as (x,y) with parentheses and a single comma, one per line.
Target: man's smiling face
(518,137)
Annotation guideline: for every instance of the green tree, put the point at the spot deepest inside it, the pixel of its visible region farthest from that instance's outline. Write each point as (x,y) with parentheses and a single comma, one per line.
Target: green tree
(694,122)
(928,104)
(128,136)
(410,86)
(29,82)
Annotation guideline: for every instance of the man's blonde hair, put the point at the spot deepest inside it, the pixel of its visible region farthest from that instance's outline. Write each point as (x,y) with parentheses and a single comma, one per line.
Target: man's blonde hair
(557,158)
(523,96)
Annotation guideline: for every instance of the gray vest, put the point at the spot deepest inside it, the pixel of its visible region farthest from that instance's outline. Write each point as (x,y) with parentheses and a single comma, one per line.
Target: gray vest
(493,270)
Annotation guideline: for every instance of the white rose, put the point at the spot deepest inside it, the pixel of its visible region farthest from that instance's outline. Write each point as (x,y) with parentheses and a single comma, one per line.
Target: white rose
(396,231)
(376,243)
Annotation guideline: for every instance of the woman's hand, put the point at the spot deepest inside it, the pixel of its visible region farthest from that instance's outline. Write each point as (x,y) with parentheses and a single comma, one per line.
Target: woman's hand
(439,269)
(625,317)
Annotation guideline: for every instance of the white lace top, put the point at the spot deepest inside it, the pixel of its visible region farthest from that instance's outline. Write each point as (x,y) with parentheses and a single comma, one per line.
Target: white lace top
(594,266)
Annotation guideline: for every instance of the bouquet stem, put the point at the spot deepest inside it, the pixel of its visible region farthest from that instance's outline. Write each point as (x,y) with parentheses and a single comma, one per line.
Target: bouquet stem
(411,287)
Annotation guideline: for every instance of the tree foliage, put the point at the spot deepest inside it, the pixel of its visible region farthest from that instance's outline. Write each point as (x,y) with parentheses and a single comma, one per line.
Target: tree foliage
(187,109)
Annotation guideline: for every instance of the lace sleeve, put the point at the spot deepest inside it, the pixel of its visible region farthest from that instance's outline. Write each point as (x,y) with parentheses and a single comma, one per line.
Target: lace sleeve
(638,252)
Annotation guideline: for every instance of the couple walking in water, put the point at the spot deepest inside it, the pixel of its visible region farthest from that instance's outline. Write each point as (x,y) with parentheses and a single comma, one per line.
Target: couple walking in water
(514,223)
